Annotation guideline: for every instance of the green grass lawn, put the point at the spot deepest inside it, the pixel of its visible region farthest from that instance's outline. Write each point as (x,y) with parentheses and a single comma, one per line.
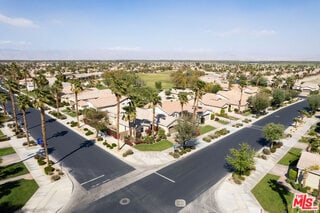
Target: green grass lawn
(70,113)
(6,151)
(291,158)
(158,146)
(14,195)
(12,170)
(224,122)
(205,129)
(273,197)
(151,78)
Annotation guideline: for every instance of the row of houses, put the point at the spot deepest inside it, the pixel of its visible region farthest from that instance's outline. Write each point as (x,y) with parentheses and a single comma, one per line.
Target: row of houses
(166,114)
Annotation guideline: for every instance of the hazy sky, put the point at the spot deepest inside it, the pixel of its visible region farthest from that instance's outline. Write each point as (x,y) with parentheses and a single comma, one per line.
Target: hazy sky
(160,29)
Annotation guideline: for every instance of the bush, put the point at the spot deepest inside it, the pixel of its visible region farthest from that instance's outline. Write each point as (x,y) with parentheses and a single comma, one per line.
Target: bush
(55,177)
(89,132)
(278,144)
(85,129)
(266,151)
(314,193)
(37,157)
(128,152)
(73,124)
(216,119)
(247,172)
(264,157)
(207,139)
(273,149)
(211,116)
(293,174)
(41,162)
(113,145)
(48,169)
(100,139)
(174,154)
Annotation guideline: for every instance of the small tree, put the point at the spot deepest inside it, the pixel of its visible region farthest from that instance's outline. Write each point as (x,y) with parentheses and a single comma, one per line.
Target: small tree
(278,96)
(96,119)
(314,102)
(158,85)
(241,160)
(186,129)
(273,132)
(259,102)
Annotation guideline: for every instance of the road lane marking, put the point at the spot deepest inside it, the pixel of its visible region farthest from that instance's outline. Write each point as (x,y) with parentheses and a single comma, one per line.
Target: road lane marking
(92,180)
(165,177)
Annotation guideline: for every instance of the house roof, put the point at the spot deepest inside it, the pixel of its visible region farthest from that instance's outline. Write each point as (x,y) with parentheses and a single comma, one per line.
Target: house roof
(308,159)
(210,99)
(106,100)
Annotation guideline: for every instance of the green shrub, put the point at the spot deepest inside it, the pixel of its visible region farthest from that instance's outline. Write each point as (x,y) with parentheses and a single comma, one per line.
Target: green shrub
(89,132)
(273,149)
(48,169)
(100,139)
(211,116)
(113,145)
(266,151)
(41,162)
(293,174)
(314,193)
(264,157)
(85,129)
(247,172)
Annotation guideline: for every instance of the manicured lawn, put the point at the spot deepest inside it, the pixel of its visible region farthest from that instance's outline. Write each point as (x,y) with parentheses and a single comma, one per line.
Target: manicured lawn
(273,197)
(224,122)
(151,78)
(158,146)
(12,170)
(205,129)
(14,195)
(6,151)
(70,113)
(291,157)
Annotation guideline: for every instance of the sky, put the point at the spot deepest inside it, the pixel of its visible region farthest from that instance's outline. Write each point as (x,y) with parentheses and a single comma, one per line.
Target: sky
(160,29)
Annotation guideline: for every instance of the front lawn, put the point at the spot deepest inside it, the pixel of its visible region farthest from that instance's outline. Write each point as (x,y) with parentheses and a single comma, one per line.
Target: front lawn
(205,129)
(272,196)
(12,170)
(291,158)
(6,151)
(14,195)
(158,146)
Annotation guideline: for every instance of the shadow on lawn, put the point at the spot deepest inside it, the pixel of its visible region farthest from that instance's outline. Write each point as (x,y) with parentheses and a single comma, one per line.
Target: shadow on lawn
(281,190)
(5,189)
(4,174)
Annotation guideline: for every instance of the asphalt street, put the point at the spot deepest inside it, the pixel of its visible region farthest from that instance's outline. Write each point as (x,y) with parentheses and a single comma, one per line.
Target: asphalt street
(189,177)
(88,164)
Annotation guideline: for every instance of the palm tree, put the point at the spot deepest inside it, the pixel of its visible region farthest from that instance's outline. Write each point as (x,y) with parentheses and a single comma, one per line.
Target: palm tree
(25,74)
(120,84)
(24,103)
(76,89)
(242,84)
(155,100)
(303,113)
(3,101)
(183,98)
(296,121)
(56,89)
(129,115)
(41,98)
(198,89)
(13,87)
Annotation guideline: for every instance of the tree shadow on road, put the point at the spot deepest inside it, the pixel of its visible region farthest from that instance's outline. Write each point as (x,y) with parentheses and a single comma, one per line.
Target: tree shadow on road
(85,144)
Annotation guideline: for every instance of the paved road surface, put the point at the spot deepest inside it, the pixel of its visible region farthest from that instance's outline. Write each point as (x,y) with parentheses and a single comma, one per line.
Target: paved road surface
(189,177)
(89,165)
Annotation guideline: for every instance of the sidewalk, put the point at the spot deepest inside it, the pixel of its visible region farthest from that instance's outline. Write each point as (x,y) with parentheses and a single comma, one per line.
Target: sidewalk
(51,196)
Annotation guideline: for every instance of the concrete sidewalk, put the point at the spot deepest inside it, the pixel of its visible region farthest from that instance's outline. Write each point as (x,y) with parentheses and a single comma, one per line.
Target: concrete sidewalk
(51,196)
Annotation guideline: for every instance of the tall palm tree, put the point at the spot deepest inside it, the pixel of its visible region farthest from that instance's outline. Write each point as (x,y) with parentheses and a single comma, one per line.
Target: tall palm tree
(3,101)
(13,88)
(129,115)
(183,98)
(242,85)
(155,100)
(24,103)
(198,89)
(25,74)
(120,84)
(41,98)
(76,89)
(56,89)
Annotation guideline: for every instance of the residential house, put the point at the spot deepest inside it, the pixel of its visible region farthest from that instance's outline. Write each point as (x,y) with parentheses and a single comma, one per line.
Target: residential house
(308,161)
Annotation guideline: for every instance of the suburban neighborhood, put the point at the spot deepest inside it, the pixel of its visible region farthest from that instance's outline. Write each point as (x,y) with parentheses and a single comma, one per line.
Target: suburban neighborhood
(149,128)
